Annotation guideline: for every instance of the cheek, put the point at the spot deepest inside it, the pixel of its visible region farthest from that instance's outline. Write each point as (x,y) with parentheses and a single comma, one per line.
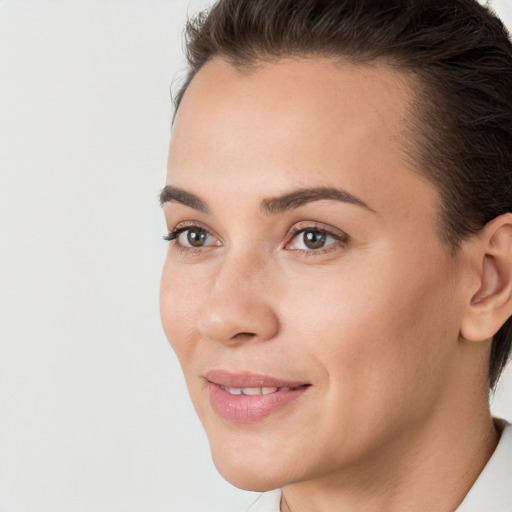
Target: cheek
(371,338)
(377,329)
(179,311)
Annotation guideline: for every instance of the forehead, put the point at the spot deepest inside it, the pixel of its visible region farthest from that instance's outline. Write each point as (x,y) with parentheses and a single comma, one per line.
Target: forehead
(297,91)
(303,121)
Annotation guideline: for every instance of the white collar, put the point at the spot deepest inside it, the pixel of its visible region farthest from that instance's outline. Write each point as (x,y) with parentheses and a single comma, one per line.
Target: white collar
(267,502)
(491,492)
(493,488)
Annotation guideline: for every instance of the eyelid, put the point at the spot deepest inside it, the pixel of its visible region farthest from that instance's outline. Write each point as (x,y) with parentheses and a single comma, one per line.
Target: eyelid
(175,232)
(187,224)
(341,236)
(306,225)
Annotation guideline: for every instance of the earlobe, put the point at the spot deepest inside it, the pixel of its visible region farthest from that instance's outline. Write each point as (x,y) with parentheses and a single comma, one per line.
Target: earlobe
(490,305)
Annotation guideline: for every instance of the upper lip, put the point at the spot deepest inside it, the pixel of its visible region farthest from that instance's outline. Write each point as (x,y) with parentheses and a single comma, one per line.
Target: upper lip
(249,380)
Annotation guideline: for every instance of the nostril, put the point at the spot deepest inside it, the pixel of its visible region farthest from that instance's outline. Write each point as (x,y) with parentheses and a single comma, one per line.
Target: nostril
(244,335)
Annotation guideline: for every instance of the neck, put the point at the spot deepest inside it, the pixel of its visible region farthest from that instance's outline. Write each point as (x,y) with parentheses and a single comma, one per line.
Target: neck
(429,469)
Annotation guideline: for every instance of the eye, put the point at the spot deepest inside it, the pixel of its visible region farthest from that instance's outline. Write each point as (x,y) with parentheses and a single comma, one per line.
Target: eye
(311,239)
(315,239)
(192,237)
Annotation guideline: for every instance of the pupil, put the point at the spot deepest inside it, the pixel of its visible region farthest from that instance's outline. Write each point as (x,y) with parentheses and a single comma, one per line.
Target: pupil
(196,237)
(314,239)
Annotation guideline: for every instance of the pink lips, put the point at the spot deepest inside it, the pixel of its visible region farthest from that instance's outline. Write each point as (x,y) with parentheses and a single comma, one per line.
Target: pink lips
(249,397)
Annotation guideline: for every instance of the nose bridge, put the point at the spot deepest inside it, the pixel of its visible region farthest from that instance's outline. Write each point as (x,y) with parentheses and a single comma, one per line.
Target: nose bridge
(239,305)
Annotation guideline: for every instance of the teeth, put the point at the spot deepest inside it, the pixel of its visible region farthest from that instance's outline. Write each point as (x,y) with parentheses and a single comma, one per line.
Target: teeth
(252,391)
(234,391)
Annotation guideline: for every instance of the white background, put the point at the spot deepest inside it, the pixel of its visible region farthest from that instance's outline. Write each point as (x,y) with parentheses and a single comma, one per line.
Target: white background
(94,415)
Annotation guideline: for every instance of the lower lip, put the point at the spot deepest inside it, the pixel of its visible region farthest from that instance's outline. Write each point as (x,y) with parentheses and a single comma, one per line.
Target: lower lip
(248,408)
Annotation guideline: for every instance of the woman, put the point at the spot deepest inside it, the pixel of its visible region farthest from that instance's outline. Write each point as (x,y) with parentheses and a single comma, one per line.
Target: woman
(338,286)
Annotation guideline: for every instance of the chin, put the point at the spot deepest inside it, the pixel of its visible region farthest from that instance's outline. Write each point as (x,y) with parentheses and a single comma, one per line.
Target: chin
(248,480)
(245,472)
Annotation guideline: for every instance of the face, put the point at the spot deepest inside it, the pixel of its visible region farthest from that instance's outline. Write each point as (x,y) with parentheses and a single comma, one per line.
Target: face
(306,293)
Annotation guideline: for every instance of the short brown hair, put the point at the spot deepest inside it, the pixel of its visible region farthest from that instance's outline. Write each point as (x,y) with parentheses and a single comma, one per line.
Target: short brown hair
(461,57)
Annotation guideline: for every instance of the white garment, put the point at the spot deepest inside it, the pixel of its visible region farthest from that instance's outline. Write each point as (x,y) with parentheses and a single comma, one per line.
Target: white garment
(492,491)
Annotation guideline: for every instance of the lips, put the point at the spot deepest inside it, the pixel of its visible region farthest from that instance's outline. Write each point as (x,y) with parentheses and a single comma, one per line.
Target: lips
(249,397)
(254,391)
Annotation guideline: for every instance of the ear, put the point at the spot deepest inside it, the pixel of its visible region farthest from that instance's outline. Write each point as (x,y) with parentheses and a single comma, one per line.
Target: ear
(490,303)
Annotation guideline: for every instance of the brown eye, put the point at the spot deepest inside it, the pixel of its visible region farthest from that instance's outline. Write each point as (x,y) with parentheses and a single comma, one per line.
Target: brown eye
(196,237)
(192,237)
(313,239)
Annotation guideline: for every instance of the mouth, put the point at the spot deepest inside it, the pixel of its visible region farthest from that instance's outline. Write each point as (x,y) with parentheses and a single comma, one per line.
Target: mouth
(256,391)
(248,397)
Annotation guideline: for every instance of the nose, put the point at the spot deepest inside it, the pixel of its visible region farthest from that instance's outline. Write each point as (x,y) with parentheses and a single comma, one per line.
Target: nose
(238,308)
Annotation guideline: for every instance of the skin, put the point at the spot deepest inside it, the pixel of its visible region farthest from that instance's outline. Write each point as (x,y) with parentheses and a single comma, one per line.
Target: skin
(372,320)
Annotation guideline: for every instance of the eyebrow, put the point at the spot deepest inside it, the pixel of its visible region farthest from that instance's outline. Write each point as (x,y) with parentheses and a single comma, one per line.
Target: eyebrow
(170,194)
(304,196)
(273,205)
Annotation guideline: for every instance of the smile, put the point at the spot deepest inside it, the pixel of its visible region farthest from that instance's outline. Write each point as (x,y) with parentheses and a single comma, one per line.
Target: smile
(255,391)
(247,397)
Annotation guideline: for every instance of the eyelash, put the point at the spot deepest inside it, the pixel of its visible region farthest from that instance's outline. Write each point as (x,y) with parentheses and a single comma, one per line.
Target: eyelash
(342,239)
(173,235)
